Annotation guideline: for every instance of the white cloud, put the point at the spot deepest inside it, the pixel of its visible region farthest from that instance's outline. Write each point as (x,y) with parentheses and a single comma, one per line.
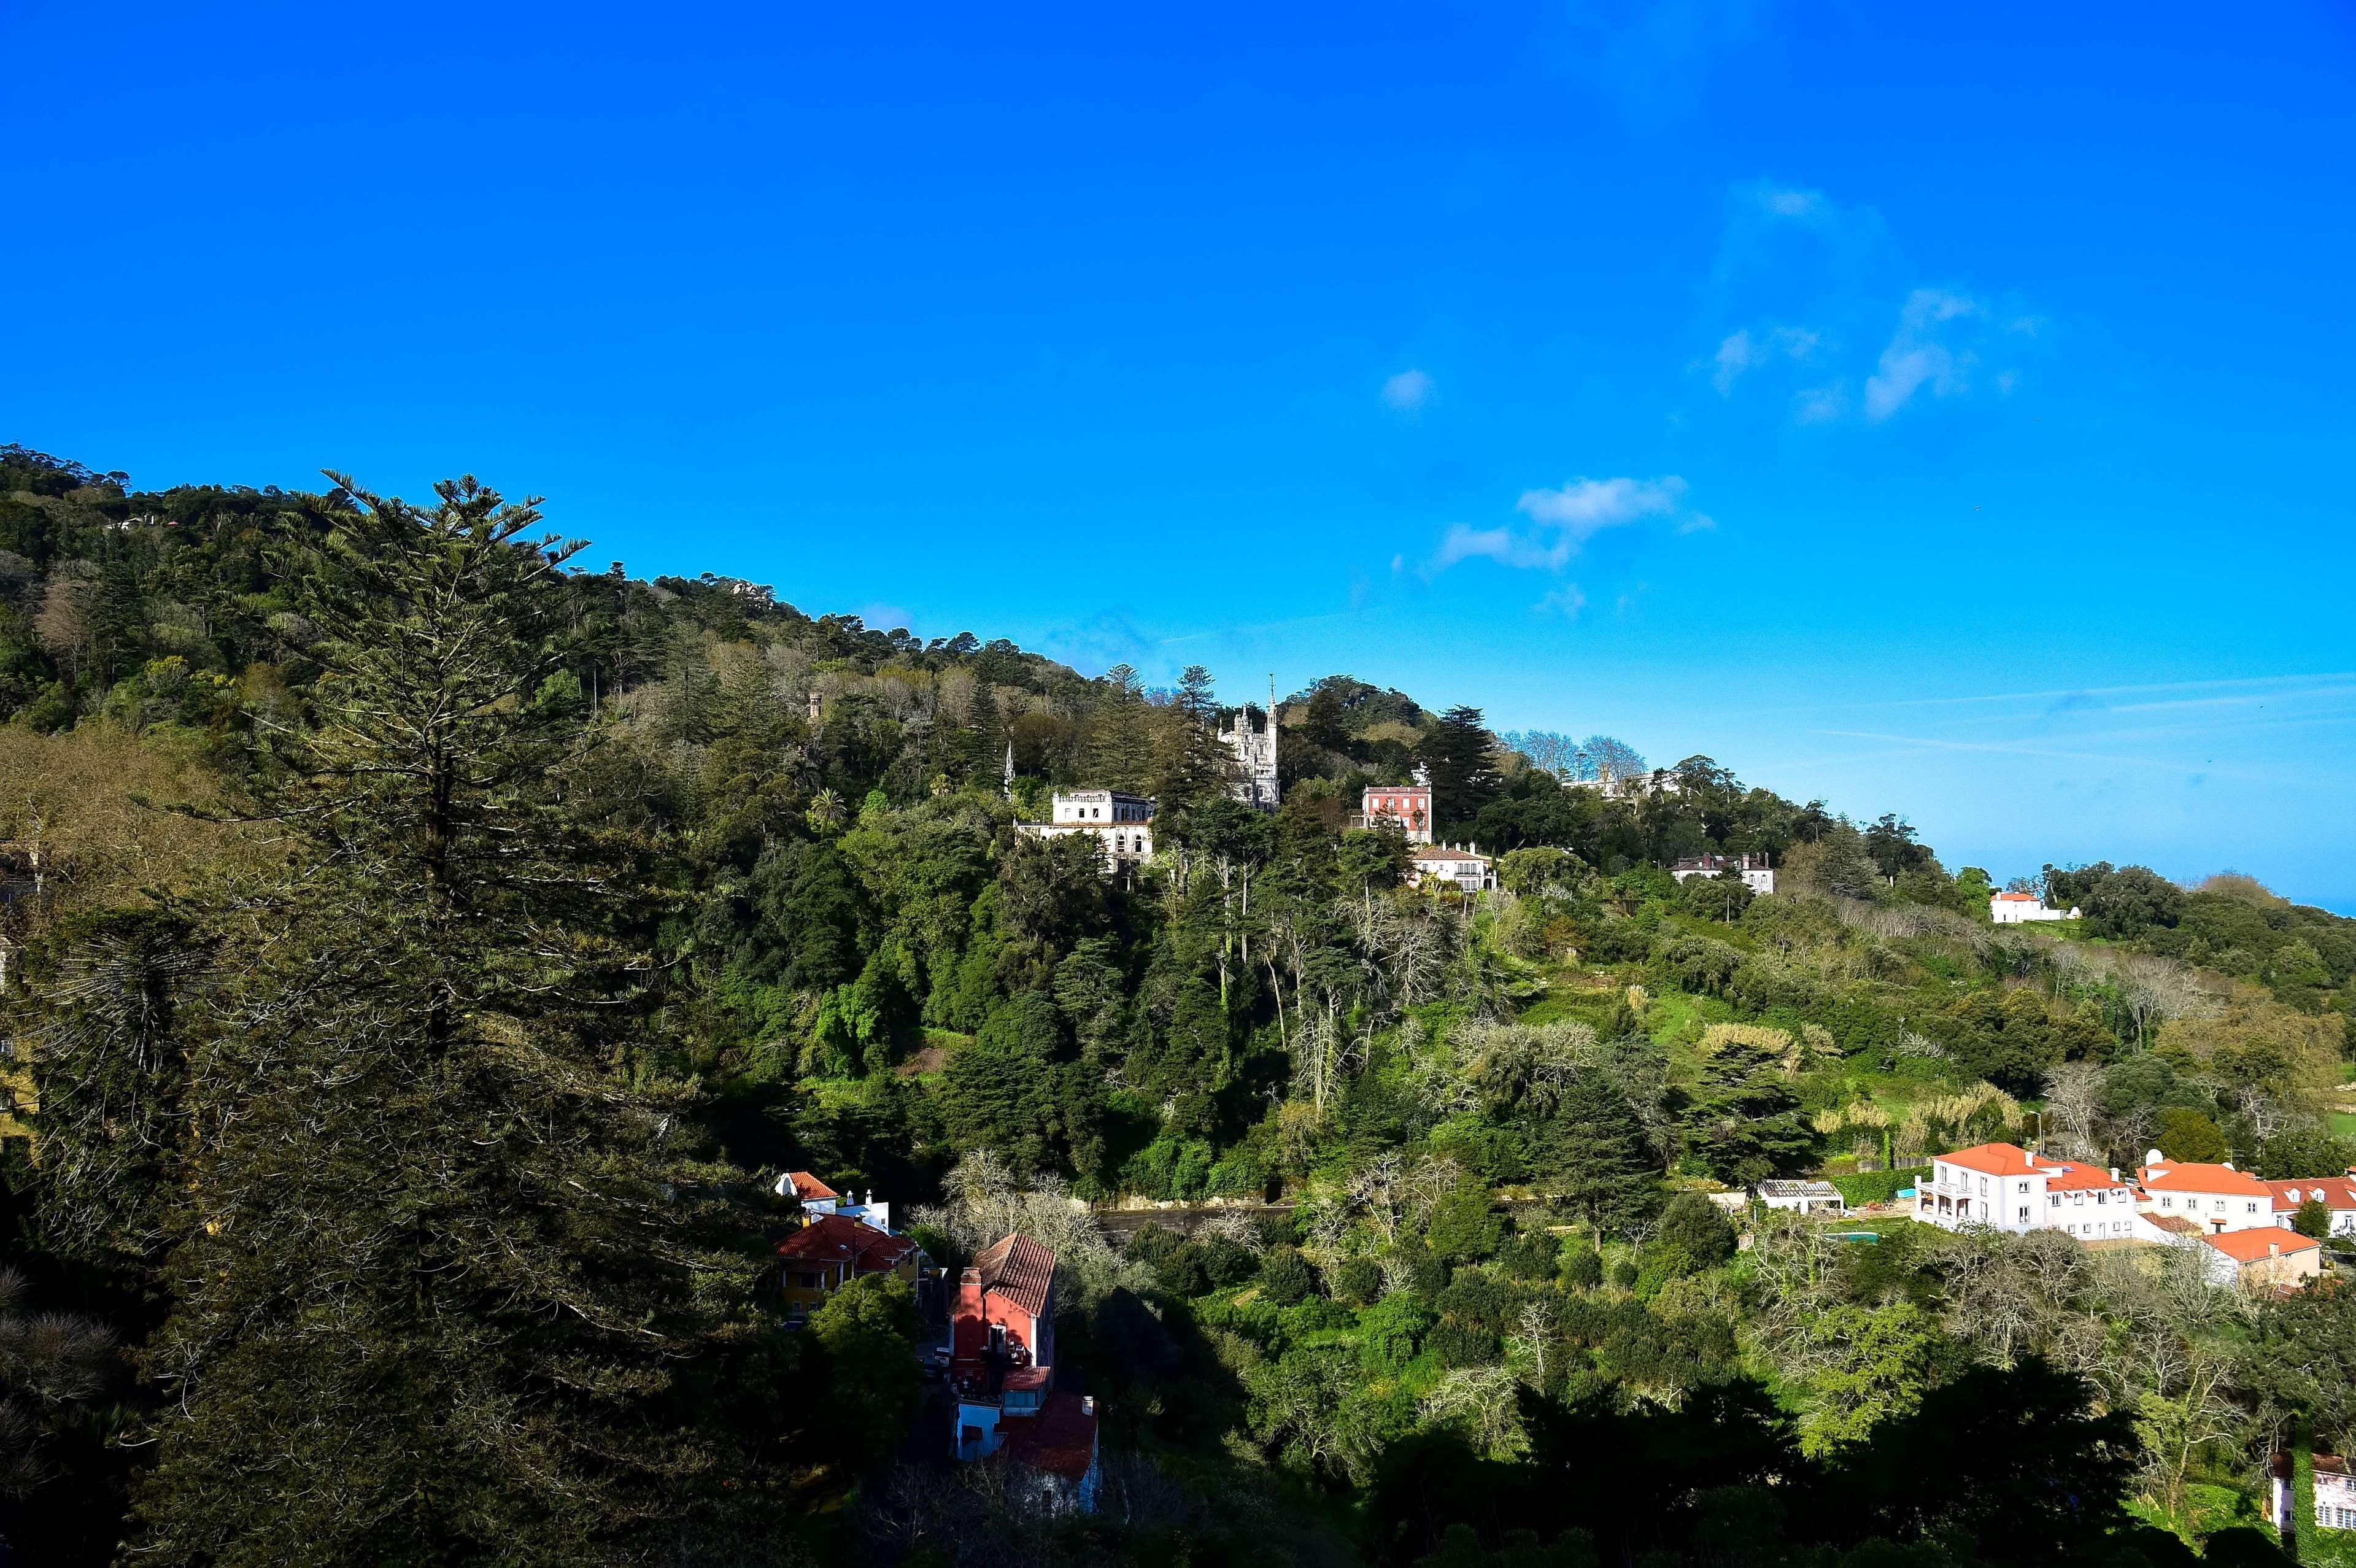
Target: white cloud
(1918,355)
(1787,202)
(1564,520)
(1566,601)
(1741,351)
(1408,390)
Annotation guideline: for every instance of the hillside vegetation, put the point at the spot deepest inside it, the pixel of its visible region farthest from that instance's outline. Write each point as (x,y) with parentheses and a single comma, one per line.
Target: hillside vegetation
(427,953)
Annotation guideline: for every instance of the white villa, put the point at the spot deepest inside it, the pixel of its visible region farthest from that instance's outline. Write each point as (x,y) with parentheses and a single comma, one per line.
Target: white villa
(2215,1198)
(1123,824)
(1433,865)
(1757,874)
(2337,1194)
(2005,1187)
(2020,908)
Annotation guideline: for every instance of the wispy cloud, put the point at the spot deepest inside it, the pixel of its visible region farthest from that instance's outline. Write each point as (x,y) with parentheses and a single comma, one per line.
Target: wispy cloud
(1809,284)
(1744,350)
(1566,601)
(1562,521)
(1408,390)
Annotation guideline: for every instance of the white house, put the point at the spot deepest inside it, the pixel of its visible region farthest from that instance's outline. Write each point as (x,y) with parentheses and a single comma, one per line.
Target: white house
(1757,874)
(1802,1196)
(2261,1258)
(2337,1194)
(2020,908)
(1123,824)
(2217,1197)
(1433,865)
(2005,1187)
(2335,1493)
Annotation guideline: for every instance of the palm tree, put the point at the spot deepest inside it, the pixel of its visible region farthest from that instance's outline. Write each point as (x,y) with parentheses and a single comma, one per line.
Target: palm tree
(825,810)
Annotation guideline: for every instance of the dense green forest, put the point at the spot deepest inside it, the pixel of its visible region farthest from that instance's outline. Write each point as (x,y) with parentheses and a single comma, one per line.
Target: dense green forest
(424,952)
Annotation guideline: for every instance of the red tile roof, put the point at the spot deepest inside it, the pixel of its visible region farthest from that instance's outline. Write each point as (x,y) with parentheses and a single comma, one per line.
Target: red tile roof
(2193,1175)
(1060,1440)
(807,1186)
(2336,1192)
(839,1238)
(2075,1177)
(2016,898)
(1993,1159)
(2259,1244)
(1018,1269)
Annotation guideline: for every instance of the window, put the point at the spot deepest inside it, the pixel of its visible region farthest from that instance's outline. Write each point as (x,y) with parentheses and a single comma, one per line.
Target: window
(2166,1202)
(2102,1197)
(2251,1207)
(2024,1214)
(1982,1187)
(2053,1201)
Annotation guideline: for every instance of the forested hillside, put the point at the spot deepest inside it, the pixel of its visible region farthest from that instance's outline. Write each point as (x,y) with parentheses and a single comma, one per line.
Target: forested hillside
(424,952)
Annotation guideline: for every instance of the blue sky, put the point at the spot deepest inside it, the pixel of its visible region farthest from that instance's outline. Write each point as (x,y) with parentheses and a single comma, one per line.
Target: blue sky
(1946,413)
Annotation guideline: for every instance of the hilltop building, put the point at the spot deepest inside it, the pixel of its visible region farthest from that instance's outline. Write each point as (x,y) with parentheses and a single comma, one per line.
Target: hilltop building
(831,1250)
(1122,825)
(1757,874)
(2021,908)
(1251,740)
(1407,805)
(1437,865)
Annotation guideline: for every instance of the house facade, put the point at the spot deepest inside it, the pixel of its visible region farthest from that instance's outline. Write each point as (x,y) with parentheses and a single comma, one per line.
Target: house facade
(2021,908)
(1002,1367)
(817,1199)
(2335,1493)
(833,1250)
(1121,824)
(2005,1187)
(2337,1194)
(2262,1258)
(1756,874)
(1408,805)
(1802,1196)
(1439,865)
(2217,1197)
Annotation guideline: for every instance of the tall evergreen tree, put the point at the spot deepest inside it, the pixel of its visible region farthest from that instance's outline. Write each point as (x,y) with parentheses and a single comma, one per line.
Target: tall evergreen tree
(1461,756)
(1195,766)
(1593,1152)
(450,1289)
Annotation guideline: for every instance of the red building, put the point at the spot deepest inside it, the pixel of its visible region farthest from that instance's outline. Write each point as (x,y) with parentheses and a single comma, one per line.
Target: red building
(1002,1363)
(1409,805)
(829,1252)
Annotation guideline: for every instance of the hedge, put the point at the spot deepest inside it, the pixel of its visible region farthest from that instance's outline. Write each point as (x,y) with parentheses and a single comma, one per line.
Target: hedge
(1876,1187)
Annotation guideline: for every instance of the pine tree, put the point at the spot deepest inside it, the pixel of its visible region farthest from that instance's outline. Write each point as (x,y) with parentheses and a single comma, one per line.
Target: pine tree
(1461,756)
(1121,743)
(1195,766)
(452,1291)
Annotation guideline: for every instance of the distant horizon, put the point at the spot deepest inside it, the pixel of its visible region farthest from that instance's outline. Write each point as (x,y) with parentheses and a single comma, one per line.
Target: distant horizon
(1898,414)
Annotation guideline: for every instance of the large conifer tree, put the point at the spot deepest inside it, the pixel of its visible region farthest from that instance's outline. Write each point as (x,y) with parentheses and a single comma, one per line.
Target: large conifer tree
(448,1290)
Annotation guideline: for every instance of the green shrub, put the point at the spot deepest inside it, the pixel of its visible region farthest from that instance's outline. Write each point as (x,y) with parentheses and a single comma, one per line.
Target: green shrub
(1360,1282)
(1285,1277)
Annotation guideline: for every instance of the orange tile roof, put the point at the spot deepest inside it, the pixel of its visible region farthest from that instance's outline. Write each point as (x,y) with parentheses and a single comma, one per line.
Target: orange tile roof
(1061,1439)
(2016,897)
(2259,1244)
(2194,1176)
(2338,1192)
(2075,1177)
(1018,1269)
(1992,1159)
(839,1238)
(807,1186)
